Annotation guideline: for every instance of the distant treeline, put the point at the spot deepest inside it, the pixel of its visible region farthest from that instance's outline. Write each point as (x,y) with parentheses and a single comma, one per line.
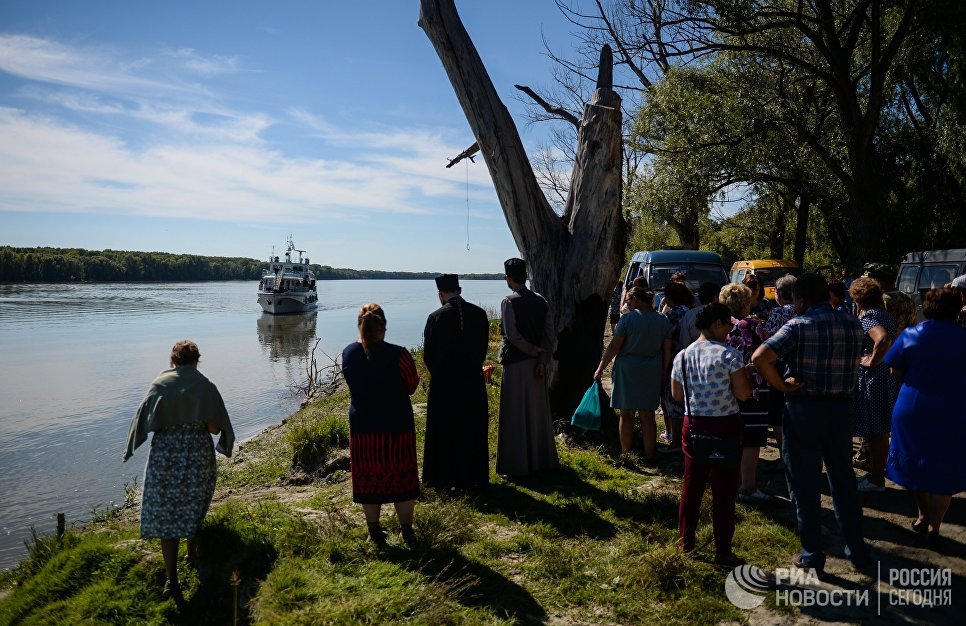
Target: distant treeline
(64,265)
(325,272)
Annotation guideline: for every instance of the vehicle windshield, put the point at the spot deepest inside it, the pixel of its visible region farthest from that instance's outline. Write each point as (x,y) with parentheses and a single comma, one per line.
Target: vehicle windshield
(697,274)
(769,275)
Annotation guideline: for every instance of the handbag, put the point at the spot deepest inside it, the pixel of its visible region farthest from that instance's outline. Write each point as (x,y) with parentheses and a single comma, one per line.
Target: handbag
(588,413)
(713,450)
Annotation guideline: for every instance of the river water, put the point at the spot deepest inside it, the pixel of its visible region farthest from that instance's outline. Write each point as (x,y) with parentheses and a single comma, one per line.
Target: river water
(77,360)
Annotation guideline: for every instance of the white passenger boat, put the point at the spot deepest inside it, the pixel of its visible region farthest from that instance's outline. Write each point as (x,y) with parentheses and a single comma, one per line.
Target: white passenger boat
(288,286)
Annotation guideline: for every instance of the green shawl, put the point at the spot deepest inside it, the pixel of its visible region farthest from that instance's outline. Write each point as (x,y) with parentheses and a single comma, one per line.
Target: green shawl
(180,396)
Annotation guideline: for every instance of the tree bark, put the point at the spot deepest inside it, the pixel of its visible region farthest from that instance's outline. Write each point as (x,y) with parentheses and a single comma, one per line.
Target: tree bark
(573,262)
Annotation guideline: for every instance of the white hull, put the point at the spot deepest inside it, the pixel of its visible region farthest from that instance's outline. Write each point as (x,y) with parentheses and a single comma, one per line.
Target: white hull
(282,303)
(288,286)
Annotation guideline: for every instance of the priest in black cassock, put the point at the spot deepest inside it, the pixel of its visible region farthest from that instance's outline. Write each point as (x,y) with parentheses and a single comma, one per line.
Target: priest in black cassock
(454,348)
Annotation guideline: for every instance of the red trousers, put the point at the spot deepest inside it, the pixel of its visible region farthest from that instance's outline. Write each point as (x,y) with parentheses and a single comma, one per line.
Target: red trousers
(724,484)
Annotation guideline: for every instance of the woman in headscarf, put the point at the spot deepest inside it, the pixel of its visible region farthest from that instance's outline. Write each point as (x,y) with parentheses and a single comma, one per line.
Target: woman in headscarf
(182,408)
(382,434)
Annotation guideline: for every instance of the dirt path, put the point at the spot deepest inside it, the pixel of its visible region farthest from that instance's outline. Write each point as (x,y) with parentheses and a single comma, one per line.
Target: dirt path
(896,548)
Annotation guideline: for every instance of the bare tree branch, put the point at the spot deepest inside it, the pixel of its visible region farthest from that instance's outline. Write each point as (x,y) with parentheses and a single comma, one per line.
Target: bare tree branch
(560,112)
(465,154)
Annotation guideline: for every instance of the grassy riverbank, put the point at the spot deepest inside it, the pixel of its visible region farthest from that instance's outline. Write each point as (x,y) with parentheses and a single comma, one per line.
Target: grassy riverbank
(592,543)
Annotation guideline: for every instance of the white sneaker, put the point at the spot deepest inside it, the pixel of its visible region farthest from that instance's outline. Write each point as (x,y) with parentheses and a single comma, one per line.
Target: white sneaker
(866,485)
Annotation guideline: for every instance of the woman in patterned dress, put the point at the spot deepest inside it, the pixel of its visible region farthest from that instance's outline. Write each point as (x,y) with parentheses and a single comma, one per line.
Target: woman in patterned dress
(877,389)
(382,435)
(747,333)
(181,408)
(678,300)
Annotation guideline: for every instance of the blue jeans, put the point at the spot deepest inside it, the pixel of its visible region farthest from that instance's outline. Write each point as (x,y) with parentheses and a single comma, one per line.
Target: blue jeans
(817,431)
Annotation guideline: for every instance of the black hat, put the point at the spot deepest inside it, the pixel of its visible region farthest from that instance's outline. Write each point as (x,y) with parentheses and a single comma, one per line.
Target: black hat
(448,283)
(516,269)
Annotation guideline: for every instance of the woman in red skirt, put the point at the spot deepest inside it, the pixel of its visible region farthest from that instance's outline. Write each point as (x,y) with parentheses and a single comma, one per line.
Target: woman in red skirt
(382,435)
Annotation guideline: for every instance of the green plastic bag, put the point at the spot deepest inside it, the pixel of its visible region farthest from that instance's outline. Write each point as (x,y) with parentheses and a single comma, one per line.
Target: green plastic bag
(587,415)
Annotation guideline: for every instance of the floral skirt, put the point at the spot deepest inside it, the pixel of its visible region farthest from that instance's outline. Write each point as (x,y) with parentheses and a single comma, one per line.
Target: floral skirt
(179,482)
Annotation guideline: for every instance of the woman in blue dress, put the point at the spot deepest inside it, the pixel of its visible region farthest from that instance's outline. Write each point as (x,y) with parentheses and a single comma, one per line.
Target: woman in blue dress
(642,345)
(876,389)
(928,428)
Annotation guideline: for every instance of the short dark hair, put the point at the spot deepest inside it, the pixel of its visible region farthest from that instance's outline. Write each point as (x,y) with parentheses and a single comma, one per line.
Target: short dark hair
(837,289)
(711,313)
(708,292)
(751,282)
(644,295)
(811,288)
(185,352)
(942,303)
(678,294)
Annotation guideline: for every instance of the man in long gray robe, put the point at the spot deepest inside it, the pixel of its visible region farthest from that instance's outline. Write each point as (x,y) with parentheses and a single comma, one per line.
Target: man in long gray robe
(525,443)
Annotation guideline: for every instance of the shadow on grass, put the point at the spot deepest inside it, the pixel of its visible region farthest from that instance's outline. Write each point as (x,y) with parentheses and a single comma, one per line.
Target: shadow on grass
(472,584)
(573,506)
(222,551)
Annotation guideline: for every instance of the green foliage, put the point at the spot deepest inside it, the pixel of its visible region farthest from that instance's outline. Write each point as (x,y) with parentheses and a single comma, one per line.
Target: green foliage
(763,117)
(75,264)
(313,439)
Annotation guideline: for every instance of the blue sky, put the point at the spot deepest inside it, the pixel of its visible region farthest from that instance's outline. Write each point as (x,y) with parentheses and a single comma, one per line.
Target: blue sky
(220,127)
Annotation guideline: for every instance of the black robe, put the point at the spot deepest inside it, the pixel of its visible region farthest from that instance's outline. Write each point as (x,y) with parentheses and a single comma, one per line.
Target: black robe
(455,341)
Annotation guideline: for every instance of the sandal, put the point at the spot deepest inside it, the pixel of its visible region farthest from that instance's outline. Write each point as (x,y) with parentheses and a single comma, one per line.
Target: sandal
(921,525)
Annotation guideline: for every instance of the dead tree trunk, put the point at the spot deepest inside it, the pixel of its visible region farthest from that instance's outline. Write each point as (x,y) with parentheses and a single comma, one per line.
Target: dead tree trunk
(573,261)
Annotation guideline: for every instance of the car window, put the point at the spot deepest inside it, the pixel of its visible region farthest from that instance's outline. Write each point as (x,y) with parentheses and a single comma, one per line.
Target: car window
(737,275)
(933,276)
(632,272)
(697,274)
(769,275)
(907,279)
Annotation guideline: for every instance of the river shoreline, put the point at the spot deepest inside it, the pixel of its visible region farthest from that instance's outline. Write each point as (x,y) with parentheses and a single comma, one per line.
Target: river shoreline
(603,531)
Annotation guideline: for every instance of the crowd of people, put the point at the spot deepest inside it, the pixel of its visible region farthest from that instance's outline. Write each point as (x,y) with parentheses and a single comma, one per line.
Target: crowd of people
(821,365)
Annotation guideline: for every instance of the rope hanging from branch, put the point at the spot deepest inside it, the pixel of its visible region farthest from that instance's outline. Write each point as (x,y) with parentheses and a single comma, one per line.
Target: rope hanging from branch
(468,203)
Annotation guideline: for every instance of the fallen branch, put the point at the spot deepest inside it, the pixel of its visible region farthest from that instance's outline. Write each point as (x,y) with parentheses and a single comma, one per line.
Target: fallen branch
(319,381)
